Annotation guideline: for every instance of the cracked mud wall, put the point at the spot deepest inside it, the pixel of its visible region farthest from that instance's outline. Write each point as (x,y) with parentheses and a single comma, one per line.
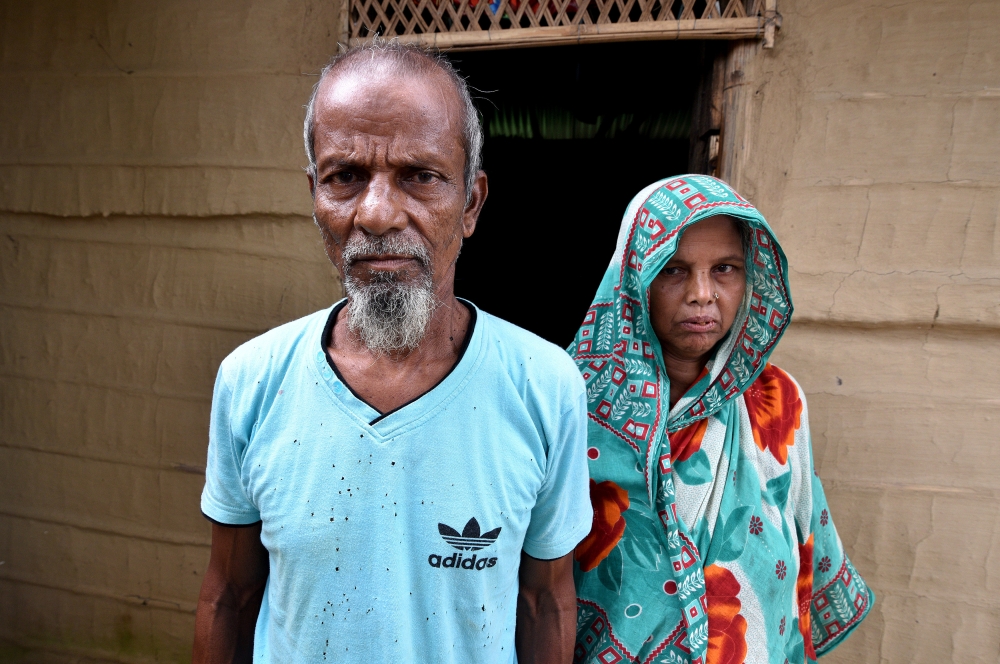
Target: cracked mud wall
(154,215)
(876,154)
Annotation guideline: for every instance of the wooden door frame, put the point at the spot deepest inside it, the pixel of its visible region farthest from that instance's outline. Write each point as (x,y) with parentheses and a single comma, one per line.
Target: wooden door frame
(722,116)
(741,19)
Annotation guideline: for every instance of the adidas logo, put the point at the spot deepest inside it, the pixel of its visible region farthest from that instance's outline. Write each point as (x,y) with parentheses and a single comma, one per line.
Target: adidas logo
(470,539)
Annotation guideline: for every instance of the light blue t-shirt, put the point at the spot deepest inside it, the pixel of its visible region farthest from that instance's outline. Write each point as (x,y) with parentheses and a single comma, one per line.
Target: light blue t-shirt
(397,537)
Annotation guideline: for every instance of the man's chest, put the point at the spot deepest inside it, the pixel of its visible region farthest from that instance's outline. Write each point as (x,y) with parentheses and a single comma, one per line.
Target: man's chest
(462,480)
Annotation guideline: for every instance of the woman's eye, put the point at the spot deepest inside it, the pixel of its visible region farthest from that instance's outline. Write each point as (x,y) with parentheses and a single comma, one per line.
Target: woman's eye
(671,271)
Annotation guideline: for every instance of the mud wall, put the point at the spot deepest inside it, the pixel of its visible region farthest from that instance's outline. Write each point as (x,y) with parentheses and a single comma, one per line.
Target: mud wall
(153,215)
(876,135)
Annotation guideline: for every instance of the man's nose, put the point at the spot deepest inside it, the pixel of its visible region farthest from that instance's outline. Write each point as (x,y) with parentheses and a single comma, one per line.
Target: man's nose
(380,210)
(701,288)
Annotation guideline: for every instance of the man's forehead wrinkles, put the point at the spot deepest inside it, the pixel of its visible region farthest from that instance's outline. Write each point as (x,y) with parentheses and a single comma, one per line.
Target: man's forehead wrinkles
(340,148)
(394,150)
(334,126)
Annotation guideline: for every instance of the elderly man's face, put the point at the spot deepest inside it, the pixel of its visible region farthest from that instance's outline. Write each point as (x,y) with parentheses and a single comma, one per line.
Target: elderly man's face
(389,192)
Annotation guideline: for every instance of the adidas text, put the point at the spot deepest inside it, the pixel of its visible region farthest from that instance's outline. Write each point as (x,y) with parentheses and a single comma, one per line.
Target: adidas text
(456,561)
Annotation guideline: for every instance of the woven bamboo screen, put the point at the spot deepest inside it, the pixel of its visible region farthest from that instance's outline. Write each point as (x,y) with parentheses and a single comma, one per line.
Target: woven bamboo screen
(479,24)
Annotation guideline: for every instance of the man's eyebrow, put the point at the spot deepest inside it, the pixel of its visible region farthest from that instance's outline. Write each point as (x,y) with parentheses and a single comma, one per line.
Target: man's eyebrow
(331,162)
(413,160)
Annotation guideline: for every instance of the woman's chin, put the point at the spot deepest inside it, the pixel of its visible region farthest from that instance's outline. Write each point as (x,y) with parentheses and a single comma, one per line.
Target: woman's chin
(692,347)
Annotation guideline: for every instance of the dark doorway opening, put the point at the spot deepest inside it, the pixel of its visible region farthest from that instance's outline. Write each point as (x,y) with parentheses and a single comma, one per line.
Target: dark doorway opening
(572,134)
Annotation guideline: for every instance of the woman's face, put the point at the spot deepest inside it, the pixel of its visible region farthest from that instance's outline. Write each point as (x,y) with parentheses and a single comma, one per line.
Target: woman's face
(694,299)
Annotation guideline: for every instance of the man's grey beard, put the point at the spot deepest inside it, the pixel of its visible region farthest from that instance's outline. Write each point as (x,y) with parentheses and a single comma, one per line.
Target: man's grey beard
(388,314)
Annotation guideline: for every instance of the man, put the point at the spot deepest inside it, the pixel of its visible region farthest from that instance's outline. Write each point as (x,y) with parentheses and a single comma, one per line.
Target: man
(400,478)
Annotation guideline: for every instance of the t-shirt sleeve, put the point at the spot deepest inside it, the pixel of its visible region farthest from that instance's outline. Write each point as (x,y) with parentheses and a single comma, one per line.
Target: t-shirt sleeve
(562,514)
(224,499)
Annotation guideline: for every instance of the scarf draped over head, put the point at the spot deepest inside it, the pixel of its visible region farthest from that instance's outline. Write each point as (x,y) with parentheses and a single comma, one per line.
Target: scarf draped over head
(712,541)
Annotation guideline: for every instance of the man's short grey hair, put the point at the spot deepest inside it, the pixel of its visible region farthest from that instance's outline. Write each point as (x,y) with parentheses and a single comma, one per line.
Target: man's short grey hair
(390,56)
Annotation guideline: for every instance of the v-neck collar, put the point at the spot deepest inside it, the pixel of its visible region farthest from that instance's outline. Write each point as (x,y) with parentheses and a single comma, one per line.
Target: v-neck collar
(391,419)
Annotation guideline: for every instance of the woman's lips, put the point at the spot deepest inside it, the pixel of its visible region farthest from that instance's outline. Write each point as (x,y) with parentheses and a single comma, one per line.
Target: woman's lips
(699,324)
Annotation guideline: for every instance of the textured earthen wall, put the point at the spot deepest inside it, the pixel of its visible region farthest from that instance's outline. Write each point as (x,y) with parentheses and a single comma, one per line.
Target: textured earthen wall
(154,215)
(876,154)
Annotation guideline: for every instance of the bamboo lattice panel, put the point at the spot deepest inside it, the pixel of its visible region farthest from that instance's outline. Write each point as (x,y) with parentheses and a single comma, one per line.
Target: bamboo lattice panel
(508,23)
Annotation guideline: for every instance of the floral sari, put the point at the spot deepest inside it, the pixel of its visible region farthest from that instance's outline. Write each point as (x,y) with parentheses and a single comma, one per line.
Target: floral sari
(712,540)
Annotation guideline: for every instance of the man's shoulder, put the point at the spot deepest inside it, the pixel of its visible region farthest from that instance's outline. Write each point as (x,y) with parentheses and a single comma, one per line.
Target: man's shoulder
(276,347)
(528,355)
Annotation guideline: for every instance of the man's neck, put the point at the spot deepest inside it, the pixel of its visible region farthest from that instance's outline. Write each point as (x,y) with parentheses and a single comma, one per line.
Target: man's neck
(388,380)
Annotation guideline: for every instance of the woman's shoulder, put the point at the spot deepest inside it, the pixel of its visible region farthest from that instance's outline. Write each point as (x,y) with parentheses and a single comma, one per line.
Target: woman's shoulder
(776,406)
(774,378)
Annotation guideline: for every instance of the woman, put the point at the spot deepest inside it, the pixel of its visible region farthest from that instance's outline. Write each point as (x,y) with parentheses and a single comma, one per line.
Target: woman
(712,540)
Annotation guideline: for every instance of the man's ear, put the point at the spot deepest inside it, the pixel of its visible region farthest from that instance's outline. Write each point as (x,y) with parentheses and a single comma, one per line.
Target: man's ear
(312,185)
(480,189)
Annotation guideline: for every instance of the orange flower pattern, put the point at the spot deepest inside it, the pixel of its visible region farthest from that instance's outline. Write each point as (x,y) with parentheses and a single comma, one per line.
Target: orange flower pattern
(687,441)
(609,501)
(775,408)
(727,629)
(804,586)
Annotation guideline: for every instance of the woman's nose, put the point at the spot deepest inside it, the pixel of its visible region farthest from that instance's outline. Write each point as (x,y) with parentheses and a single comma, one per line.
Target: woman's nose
(701,288)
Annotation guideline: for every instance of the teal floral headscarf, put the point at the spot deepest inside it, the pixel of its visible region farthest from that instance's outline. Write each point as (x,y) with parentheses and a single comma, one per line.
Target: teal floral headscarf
(712,541)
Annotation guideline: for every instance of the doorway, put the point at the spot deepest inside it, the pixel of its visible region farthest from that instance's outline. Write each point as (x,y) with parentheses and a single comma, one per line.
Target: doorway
(572,134)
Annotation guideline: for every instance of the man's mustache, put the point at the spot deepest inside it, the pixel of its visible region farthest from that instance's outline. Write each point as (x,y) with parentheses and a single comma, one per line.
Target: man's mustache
(367,246)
